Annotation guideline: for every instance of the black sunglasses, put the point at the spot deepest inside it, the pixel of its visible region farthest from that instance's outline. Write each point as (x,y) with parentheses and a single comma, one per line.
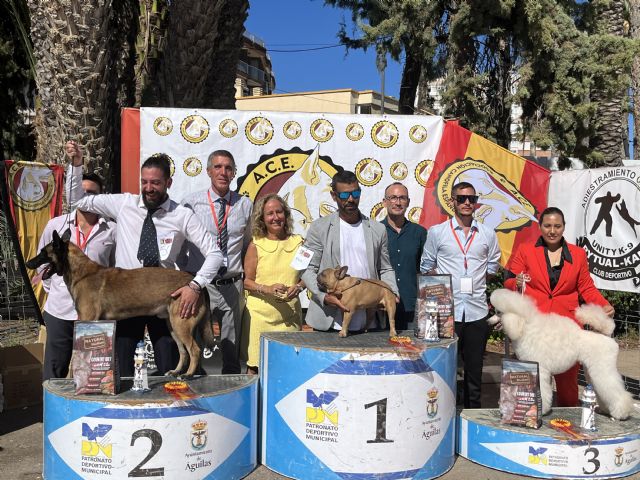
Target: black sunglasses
(463,198)
(346,195)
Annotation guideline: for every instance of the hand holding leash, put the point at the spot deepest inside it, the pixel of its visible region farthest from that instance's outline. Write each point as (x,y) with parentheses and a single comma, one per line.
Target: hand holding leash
(74,152)
(521,281)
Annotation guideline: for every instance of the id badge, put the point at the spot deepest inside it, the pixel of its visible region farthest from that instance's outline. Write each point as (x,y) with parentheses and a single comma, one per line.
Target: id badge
(466,285)
(164,246)
(302,258)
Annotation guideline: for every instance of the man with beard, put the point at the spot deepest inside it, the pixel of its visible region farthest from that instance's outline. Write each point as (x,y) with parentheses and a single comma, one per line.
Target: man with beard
(469,252)
(345,238)
(151,232)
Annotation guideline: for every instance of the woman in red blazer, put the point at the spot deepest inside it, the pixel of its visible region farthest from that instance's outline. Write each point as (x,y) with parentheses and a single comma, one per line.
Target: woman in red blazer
(555,274)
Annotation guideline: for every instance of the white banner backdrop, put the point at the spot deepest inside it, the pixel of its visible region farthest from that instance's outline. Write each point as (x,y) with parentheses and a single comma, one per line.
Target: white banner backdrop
(296,154)
(602,212)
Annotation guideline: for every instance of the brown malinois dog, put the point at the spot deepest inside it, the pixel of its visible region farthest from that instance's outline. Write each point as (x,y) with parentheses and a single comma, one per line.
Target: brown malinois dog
(102,293)
(357,294)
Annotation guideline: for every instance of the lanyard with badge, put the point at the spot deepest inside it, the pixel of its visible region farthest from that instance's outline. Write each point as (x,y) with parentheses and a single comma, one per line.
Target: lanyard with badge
(79,243)
(466,282)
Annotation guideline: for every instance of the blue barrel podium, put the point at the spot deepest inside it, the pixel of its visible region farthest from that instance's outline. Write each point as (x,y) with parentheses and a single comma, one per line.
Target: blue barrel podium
(613,451)
(209,433)
(356,407)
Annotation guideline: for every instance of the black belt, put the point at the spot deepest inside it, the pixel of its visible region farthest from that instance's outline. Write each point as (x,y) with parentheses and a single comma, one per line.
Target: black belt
(226,281)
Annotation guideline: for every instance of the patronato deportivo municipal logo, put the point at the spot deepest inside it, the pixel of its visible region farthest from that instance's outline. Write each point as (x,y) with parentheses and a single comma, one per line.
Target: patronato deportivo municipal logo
(228,128)
(611,225)
(163,126)
(194,128)
(31,186)
(301,178)
(617,459)
(259,130)
(322,416)
(537,456)
(95,442)
(384,134)
(501,205)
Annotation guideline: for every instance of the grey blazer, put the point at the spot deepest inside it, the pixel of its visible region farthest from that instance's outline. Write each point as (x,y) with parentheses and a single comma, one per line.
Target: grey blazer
(323,238)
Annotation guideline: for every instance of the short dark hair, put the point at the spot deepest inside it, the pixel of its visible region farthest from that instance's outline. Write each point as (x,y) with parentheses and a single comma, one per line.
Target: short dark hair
(161,161)
(95,178)
(459,186)
(345,176)
(221,153)
(551,211)
(393,185)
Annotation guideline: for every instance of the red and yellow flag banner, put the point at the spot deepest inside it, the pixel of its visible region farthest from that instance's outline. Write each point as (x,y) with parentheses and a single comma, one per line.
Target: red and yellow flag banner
(34,193)
(512,190)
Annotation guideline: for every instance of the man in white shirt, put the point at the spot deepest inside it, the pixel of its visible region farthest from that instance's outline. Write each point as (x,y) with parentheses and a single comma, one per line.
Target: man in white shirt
(173,225)
(226,215)
(345,238)
(96,237)
(469,252)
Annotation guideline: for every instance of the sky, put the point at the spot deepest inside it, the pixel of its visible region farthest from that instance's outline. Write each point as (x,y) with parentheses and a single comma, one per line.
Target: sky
(304,24)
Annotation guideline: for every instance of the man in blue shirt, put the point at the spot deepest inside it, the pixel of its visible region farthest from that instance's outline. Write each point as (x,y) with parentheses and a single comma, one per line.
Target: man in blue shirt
(469,252)
(406,240)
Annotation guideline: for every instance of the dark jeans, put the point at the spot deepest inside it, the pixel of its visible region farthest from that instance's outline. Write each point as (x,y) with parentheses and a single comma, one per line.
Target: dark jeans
(57,352)
(472,341)
(129,332)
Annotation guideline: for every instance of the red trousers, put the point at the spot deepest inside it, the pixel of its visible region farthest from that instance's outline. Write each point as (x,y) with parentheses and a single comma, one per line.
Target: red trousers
(567,387)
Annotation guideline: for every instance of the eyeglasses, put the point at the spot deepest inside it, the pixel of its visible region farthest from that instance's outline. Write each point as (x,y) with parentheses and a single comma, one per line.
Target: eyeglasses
(463,198)
(397,198)
(345,195)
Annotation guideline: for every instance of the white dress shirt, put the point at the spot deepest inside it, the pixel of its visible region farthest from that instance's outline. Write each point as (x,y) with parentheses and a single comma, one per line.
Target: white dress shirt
(99,247)
(238,227)
(442,252)
(174,224)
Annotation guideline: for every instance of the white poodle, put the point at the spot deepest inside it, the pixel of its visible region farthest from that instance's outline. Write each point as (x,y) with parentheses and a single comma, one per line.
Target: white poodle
(557,343)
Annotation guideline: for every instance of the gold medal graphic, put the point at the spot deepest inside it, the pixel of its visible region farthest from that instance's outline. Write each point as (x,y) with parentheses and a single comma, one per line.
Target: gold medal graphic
(194,128)
(423,170)
(321,130)
(368,171)
(162,126)
(192,166)
(418,134)
(228,128)
(354,132)
(259,131)
(399,171)
(292,130)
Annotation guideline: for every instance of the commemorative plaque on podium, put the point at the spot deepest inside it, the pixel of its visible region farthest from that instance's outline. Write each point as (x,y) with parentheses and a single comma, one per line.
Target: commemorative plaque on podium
(206,432)
(559,449)
(357,407)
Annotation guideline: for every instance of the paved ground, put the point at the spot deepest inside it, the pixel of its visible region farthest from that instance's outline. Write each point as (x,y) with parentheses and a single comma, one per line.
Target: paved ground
(21,432)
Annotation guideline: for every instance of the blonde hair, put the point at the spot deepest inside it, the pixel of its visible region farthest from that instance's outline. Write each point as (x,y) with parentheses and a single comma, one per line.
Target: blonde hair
(258,227)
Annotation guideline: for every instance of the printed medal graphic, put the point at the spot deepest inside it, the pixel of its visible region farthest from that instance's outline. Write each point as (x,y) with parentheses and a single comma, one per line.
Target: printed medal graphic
(343,407)
(301,178)
(418,134)
(162,126)
(31,187)
(292,130)
(192,166)
(611,225)
(501,206)
(259,131)
(321,130)
(194,128)
(139,441)
(399,171)
(384,134)
(228,128)
(368,171)
(354,132)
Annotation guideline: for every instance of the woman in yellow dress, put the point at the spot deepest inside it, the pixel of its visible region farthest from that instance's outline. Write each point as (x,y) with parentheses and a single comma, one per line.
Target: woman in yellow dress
(272,285)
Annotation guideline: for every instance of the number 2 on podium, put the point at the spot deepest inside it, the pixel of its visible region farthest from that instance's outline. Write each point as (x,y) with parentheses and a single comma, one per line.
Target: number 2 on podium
(381,421)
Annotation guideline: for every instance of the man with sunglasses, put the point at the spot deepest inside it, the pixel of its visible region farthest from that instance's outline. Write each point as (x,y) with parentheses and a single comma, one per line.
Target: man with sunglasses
(344,238)
(469,252)
(406,241)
